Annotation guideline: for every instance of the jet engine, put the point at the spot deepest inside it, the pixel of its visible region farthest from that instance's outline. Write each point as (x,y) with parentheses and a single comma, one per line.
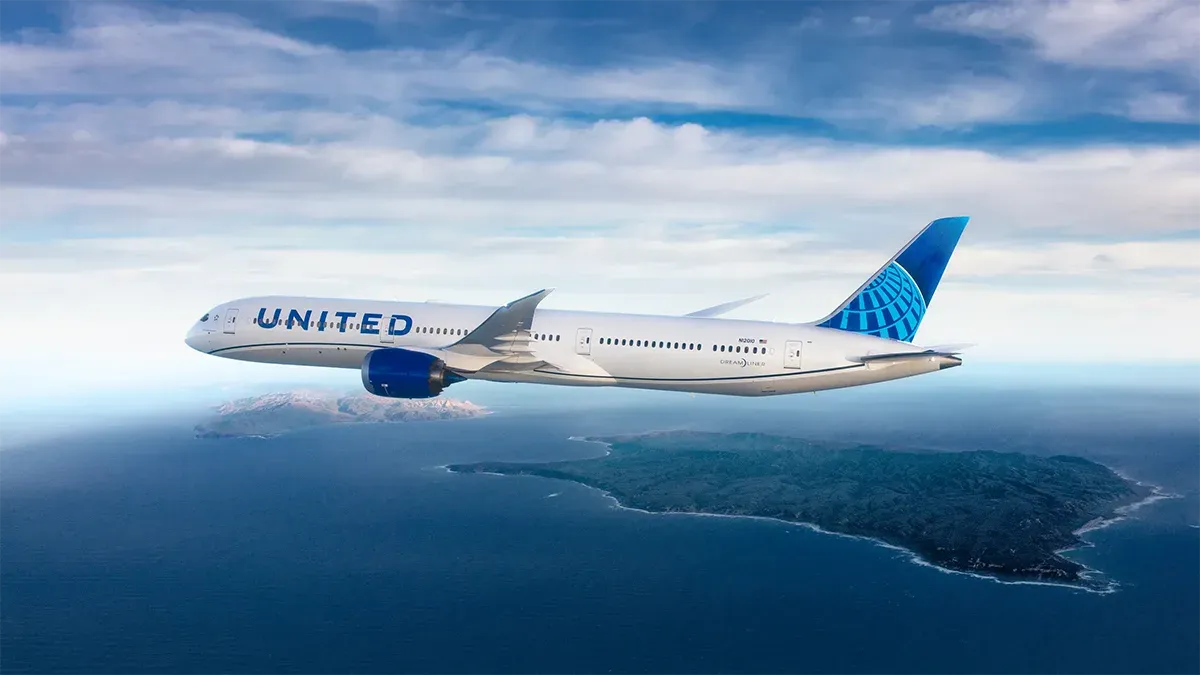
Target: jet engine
(400,373)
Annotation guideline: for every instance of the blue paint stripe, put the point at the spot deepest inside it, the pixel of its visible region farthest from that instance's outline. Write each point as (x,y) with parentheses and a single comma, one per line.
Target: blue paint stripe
(304,344)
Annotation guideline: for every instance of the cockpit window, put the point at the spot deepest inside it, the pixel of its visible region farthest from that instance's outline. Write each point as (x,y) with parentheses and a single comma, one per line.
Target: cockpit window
(204,318)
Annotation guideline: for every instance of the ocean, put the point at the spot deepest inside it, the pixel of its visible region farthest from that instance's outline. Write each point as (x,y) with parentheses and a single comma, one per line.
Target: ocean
(350,550)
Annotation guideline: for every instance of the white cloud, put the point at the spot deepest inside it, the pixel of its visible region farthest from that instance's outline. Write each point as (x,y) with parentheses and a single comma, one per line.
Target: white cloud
(119,51)
(179,184)
(135,297)
(870,25)
(1160,106)
(959,103)
(151,52)
(527,171)
(1119,34)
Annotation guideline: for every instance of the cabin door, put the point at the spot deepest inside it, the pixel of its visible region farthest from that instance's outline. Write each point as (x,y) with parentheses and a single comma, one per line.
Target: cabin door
(791,354)
(231,320)
(583,341)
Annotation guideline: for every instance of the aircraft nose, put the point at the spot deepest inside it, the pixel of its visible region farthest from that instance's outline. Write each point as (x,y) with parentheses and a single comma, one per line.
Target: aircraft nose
(200,334)
(194,338)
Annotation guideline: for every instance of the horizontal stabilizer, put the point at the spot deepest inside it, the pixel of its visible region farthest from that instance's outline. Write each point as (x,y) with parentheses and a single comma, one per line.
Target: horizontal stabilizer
(897,356)
(724,308)
(956,348)
(947,359)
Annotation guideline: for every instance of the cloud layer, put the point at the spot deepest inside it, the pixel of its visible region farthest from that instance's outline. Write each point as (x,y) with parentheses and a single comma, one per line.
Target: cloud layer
(154,162)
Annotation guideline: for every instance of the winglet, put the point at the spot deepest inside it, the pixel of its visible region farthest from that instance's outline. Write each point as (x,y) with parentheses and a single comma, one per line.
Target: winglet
(724,308)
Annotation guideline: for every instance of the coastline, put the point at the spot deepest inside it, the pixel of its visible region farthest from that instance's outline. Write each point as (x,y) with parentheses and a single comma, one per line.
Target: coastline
(1103,585)
(332,424)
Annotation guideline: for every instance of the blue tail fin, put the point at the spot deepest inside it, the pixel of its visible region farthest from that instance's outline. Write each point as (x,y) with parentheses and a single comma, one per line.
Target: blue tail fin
(893,301)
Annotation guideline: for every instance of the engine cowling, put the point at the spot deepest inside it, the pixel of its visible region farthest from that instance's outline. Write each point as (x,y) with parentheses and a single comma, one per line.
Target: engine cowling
(400,373)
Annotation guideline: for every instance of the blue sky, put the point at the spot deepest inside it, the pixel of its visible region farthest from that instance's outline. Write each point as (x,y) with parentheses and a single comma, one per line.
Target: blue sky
(156,159)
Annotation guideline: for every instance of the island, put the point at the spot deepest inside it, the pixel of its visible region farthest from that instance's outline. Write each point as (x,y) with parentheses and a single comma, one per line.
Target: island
(1001,514)
(273,414)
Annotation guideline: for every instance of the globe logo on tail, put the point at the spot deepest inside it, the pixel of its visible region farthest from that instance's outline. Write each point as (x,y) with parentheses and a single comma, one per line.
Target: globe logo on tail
(890,306)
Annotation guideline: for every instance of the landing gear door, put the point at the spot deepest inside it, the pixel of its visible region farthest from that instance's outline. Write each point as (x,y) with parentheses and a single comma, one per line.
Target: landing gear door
(583,341)
(231,320)
(791,354)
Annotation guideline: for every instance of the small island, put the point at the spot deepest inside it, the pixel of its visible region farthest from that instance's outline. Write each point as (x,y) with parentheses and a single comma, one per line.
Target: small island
(273,414)
(1005,515)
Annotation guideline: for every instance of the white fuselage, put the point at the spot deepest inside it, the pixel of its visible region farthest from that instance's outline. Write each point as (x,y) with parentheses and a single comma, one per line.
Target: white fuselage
(705,355)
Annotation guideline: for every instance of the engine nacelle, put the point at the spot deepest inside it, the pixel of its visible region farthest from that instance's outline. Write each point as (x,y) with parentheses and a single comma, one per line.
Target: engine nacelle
(400,373)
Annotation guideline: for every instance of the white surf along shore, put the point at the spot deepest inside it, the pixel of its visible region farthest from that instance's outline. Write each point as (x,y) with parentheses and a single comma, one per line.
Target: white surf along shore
(1088,573)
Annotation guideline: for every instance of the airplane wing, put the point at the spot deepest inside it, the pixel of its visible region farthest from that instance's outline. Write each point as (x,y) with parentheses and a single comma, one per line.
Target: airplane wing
(505,330)
(502,340)
(724,308)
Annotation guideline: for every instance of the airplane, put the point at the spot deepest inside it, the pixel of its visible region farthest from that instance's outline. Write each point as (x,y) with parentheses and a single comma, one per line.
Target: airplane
(418,349)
